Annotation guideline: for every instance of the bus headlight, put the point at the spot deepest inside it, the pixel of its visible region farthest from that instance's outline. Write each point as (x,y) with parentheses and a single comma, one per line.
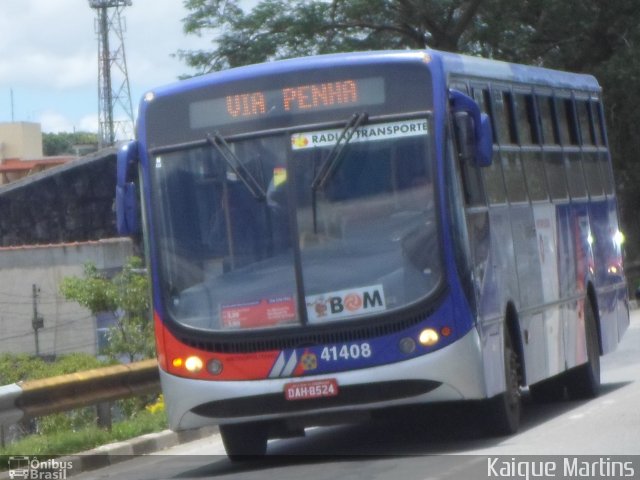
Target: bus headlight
(193,364)
(428,337)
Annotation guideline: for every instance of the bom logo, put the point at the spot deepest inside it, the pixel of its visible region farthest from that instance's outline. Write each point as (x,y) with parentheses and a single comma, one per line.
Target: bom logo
(346,303)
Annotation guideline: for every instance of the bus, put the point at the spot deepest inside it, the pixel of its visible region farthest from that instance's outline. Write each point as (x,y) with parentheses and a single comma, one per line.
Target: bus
(335,236)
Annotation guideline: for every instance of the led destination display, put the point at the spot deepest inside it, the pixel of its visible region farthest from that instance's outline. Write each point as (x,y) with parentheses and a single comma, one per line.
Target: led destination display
(243,106)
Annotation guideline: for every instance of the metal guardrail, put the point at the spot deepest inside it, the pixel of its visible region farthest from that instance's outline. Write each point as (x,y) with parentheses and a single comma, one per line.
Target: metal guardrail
(35,398)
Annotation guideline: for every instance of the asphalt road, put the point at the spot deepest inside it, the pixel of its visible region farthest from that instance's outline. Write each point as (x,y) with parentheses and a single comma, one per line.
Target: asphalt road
(444,442)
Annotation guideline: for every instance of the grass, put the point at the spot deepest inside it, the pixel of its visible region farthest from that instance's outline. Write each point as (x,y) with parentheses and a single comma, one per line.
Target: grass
(68,442)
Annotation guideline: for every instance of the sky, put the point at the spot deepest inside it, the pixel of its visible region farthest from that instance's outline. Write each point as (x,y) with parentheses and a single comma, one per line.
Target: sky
(49,58)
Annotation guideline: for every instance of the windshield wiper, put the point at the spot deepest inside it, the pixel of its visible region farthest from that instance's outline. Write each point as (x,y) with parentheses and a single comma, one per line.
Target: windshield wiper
(335,156)
(223,148)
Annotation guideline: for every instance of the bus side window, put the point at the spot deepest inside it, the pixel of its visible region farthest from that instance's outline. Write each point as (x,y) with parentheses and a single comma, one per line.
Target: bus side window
(556,175)
(546,109)
(607,172)
(577,187)
(566,121)
(598,122)
(513,177)
(585,120)
(592,173)
(500,117)
(590,164)
(510,111)
(526,119)
(569,125)
(534,174)
(493,181)
(482,96)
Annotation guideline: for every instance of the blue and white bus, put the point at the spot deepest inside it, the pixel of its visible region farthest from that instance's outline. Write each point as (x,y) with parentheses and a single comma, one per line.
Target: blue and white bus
(332,236)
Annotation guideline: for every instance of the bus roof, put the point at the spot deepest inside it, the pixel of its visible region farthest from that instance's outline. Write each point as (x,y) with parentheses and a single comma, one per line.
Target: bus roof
(478,67)
(452,63)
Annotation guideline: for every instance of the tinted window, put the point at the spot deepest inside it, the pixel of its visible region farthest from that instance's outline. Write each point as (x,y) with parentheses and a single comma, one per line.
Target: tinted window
(514,176)
(592,173)
(575,177)
(525,119)
(587,134)
(556,176)
(493,180)
(546,109)
(534,174)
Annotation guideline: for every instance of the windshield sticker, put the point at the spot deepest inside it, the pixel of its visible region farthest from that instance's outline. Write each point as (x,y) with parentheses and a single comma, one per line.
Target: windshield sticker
(263,313)
(279,176)
(345,303)
(367,133)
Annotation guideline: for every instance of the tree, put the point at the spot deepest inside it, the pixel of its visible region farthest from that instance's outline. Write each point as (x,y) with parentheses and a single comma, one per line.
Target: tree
(64,143)
(127,296)
(601,37)
(277,29)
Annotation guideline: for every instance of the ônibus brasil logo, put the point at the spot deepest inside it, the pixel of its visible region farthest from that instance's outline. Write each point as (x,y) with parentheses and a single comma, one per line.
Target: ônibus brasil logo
(32,468)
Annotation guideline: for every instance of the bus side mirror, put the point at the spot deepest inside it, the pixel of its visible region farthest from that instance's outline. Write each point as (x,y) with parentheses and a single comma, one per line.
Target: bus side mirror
(473,129)
(127,211)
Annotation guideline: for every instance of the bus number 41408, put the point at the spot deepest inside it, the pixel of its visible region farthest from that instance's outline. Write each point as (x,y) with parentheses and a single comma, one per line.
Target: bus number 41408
(346,352)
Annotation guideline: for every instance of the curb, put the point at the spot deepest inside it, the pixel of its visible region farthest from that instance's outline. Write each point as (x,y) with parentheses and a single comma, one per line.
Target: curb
(113,453)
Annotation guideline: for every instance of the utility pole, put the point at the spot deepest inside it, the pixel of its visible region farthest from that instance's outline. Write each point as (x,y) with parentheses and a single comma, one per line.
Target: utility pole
(114,94)
(37,322)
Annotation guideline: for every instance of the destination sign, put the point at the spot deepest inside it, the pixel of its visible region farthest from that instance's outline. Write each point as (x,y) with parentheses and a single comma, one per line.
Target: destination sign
(253,105)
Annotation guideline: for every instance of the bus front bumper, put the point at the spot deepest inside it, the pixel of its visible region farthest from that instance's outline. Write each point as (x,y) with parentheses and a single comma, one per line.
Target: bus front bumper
(450,374)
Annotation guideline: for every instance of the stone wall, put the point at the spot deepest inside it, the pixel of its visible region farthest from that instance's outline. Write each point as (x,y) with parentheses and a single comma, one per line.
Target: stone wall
(70,203)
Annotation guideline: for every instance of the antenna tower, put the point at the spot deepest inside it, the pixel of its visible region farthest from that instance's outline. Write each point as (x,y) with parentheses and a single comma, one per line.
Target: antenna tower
(114,95)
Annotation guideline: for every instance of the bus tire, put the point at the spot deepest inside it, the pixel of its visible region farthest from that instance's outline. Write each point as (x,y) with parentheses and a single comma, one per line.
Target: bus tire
(244,441)
(583,382)
(504,410)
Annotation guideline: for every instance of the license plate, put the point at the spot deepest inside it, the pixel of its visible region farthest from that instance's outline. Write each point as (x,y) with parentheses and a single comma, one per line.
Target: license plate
(312,389)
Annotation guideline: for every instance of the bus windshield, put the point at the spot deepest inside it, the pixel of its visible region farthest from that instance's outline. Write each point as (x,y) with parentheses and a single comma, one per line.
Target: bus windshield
(361,242)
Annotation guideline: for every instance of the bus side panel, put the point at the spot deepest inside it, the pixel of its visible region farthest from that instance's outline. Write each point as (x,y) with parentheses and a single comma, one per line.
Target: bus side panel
(546,327)
(574,328)
(499,285)
(623,319)
(535,340)
(610,284)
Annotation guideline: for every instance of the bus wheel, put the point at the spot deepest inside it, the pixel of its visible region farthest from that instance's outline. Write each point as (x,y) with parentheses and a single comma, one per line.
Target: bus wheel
(245,441)
(584,381)
(504,410)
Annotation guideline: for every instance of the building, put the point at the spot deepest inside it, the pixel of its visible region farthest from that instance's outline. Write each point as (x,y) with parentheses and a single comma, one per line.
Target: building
(30,278)
(21,151)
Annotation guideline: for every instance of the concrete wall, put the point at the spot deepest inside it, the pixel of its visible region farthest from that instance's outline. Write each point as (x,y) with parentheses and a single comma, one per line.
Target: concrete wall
(68,327)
